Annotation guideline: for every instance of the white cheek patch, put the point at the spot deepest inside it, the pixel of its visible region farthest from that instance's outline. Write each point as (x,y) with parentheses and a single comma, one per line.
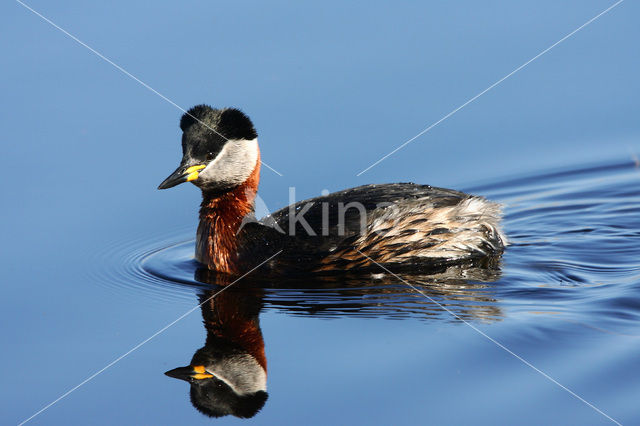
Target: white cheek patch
(233,165)
(242,373)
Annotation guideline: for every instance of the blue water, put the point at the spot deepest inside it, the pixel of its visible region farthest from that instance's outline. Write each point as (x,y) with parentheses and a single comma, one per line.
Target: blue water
(95,260)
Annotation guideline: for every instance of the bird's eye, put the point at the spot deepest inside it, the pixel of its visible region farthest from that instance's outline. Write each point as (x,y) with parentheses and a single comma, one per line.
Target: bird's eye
(209,156)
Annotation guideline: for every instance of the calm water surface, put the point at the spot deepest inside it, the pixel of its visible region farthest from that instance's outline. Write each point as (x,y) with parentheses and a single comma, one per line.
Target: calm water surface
(565,297)
(95,261)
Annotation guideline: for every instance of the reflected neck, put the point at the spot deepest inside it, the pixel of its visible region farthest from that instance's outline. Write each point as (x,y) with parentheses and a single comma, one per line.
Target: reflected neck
(234,317)
(221,216)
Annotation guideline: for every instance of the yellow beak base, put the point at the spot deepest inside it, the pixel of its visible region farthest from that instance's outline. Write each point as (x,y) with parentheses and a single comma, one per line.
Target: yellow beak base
(192,172)
(200,372)
(181,175)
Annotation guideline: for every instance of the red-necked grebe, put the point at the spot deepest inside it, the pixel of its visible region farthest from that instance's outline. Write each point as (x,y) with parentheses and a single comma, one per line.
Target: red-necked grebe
(404,226)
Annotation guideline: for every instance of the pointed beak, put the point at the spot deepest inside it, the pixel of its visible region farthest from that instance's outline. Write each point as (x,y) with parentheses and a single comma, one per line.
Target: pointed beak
(190,373)
(180,175)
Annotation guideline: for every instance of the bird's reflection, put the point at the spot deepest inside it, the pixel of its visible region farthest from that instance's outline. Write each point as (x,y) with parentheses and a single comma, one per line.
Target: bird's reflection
(228,376)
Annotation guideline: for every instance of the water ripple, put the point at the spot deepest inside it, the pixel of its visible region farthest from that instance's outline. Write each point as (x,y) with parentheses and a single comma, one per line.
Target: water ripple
(575,256)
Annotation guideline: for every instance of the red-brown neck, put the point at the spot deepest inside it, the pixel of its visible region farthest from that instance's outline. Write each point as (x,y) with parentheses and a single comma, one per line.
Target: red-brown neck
(233,316)
(220,219)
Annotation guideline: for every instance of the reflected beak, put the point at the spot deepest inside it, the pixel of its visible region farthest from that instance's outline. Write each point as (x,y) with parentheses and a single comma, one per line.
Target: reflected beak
(180,175)
(196,372)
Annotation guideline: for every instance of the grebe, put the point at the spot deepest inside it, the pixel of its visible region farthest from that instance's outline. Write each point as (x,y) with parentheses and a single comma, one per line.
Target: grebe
(228,375)
(404,226)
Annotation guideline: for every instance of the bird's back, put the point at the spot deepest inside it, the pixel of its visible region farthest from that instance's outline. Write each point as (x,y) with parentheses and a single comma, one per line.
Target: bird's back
(398,225)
